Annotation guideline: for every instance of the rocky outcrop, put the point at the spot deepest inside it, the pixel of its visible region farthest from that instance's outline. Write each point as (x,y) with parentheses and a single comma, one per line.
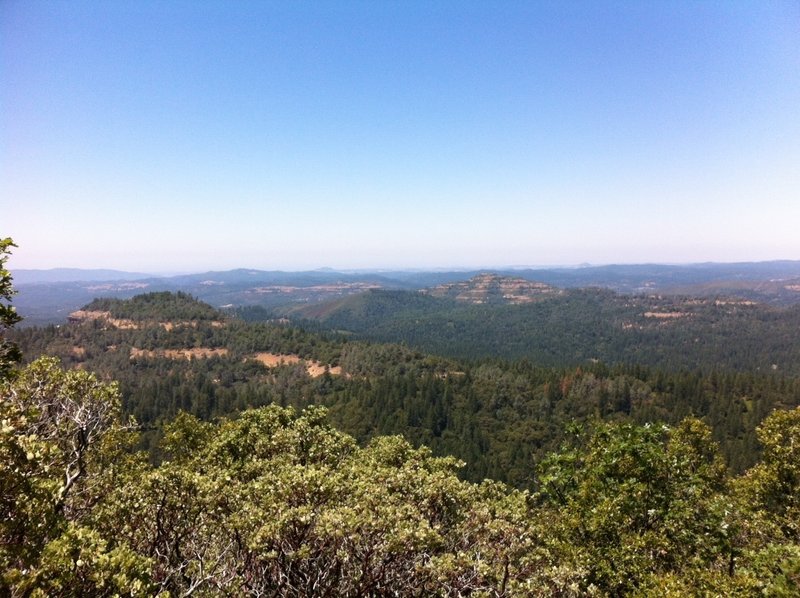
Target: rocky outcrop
(494,289)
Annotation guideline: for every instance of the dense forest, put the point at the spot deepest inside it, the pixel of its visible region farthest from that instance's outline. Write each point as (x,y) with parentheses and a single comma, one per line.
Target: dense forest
(579,325)
(273,502)
(170,353)
(290,462)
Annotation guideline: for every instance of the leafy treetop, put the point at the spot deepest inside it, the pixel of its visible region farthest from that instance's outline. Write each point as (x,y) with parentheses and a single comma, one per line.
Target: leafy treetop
(9,352)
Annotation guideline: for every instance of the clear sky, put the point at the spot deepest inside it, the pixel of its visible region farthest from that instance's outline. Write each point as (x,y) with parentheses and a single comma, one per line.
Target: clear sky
(165,136)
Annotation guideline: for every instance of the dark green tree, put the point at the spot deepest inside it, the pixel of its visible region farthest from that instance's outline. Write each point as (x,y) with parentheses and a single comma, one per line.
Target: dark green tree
(9,352)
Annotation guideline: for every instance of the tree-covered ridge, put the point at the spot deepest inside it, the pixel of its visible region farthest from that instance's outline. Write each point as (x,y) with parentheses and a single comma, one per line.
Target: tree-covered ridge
(581,325)
(489,287)
(499,417)
(273,502)
(163,306)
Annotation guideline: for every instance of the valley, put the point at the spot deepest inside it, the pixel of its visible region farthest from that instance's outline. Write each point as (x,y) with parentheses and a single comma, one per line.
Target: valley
(474,406)
(445,385)
(508,412)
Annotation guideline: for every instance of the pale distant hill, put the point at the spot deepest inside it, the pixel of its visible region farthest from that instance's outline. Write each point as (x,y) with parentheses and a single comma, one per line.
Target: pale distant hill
(74,275)
(48,296)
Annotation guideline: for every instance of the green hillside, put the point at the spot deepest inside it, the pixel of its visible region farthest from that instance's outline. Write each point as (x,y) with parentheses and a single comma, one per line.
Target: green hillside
(620,489)
(579,326)
(500,417)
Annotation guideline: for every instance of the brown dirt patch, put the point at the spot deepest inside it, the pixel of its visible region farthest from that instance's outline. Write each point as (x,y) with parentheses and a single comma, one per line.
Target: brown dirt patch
(665,315)
(168,326)
(315,369)
(274,359)
(195,353)
(83,315)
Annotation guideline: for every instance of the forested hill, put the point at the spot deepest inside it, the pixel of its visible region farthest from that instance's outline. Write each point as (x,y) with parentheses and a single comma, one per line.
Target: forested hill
(172,353)
(148,307)
(576,326)
(48,296)
(620,491)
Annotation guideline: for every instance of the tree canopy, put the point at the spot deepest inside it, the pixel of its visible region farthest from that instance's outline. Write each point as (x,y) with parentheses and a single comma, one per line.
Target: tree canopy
(281,503)
(9,352)
(277,501)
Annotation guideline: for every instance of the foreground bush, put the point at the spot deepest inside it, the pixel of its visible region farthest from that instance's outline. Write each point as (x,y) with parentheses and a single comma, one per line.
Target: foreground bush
(279,503)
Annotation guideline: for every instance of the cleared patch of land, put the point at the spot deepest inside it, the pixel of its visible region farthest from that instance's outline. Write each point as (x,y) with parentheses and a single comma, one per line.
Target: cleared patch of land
(188,323)
(83,315)
(314,368)
(194,353)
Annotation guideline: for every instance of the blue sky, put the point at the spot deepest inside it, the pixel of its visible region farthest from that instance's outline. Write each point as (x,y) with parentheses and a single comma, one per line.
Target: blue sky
(187,136)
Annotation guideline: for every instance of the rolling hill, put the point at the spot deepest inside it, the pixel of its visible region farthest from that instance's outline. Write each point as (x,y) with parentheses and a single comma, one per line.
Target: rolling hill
(172,353)
(478,319)
(49,296)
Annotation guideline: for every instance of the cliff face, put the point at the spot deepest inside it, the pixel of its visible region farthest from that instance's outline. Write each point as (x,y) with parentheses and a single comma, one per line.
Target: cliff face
(494,289)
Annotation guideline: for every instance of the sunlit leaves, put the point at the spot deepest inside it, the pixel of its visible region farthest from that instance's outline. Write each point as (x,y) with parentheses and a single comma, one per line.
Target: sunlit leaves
(276,502)
(60,431)
(633,500)
(9,352)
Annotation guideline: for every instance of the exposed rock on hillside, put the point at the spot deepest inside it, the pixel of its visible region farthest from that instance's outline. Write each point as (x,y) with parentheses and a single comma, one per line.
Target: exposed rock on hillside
(493,288)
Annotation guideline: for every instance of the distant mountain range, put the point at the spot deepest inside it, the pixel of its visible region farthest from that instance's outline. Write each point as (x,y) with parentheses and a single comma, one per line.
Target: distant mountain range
(48,296)
(74,275)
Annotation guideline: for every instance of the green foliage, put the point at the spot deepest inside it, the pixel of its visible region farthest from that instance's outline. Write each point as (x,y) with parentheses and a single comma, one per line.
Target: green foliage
(61,444)
(582,325)
(281,503)
(9,352)
(163,306)
(774,484)
(80,563)
(636,501)
(767,504)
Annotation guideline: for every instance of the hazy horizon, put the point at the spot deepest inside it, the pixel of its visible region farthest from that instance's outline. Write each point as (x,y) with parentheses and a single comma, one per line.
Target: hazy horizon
(190,137)
(377,270)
